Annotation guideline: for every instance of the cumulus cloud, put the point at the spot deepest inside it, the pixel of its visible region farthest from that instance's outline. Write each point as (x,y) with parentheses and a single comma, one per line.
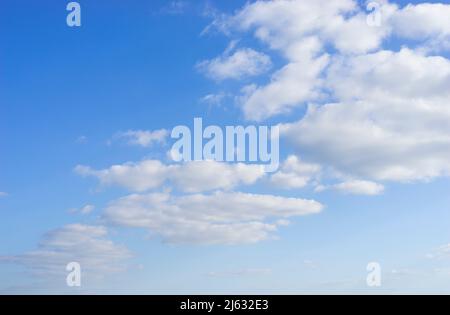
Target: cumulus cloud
(295,83)
(242,63)
(221,218)
(403,75)
(303,32)
(300,31)
(84,244)
(143,138)
(392,122)
(190,177)
(141,176)
(422,21)
(388,120)
(295,173)
(209,175)
(284,23)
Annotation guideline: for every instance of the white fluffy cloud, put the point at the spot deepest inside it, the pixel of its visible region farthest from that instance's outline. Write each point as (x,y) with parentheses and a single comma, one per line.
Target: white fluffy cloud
(389,119)
(300,31)
(143,138)
(84,244)
(342,23)
(220,218)
(283,24)
(422,21)
(303,32)
(392,123)
(386,75)
(242,63)
(208,175)
(141,176)
(295,173)
(295,83)
(189,177)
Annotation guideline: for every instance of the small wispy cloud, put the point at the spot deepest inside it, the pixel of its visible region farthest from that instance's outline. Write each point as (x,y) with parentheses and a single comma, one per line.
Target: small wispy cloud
(81,140)
(215,100)
(240,64)
(3,194)
(87,209)
(355,187)
(175,7)
(143,138)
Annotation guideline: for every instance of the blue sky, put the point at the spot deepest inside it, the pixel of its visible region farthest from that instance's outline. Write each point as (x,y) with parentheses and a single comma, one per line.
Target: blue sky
(380,169)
